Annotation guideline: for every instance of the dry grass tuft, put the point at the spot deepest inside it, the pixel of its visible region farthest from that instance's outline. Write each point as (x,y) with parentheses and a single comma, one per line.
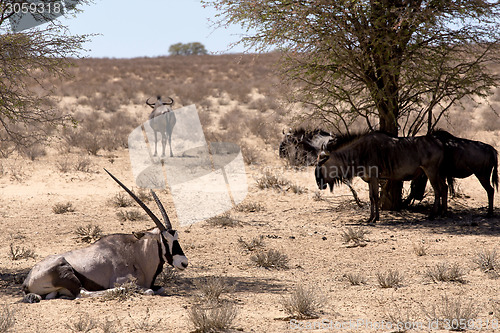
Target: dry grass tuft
(250,207)
(89,233)
(130,215)
(270,259)
(84,323)
(355,235)
(420,249)
(62,208)
(18,253)
(452,313)
(121,200)
(211,288)
(302,303)
(272,181)
(254,244)
(390,279)
(445,272)
(355,279)
(224,220)
(488,262)
(212,319)
(145,323)
(167,276)
(122,291)
(7,319)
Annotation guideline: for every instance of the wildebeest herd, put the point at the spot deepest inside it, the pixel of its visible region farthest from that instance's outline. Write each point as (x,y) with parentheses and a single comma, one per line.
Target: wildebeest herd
(376,156)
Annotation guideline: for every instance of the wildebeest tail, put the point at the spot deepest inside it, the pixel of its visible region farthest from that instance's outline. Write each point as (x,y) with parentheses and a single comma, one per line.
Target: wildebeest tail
(494,176)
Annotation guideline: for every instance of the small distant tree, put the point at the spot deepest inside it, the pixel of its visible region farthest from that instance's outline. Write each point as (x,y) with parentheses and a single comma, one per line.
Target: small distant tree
(187,49)
(27,109)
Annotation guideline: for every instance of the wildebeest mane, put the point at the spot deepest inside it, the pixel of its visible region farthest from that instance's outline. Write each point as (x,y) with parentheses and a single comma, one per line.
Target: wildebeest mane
(342,139)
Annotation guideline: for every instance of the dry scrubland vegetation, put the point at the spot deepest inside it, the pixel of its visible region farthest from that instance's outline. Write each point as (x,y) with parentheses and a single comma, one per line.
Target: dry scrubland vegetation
(288,252)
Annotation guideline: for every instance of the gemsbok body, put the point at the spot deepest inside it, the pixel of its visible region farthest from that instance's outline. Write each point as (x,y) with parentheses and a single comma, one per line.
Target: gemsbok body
(113,259)
(162,119)
(375,156)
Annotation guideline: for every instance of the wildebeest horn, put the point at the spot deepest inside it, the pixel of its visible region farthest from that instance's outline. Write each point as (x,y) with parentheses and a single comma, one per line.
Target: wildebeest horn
(139,201)
(283,131)
(162,210)
(150,104)
(171,102)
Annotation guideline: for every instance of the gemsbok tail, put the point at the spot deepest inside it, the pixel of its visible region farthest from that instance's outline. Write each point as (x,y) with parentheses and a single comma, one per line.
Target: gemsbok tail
(494,176)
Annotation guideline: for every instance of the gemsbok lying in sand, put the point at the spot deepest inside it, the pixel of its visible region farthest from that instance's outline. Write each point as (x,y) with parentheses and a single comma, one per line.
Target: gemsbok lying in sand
(113,259)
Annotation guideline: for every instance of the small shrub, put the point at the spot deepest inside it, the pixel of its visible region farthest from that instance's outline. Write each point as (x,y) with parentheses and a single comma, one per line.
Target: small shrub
(317,196)
(62,208)
(130,215)
(84,323)
(446,273)
(211,288)
(145,323)
(122,291)
(166,277)
(224,220)
(390,279)
(297,189)
(303,303)
(254,244)
(488,262)
(270,259)
(18,253)
(213,319)
(452,313)
(420,249)
(89,233)
(84,164)
(355,279)
(120,200)
(357,236)
(250,155)
(110,326)
(143,194)
(7,319)
(34,151)
(64,166)
(250,207)
(272,181)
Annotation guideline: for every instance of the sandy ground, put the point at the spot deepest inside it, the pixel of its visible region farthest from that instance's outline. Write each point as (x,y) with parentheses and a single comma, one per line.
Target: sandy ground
(307,230)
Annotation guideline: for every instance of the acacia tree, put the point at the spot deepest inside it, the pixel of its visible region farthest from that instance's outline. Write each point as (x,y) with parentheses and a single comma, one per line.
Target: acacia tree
(398,64)
(27,58)
(195,48)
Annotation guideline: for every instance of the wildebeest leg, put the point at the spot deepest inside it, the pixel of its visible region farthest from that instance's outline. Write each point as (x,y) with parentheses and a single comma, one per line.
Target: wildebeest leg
(374,200)
(170,144)
(485,181)
(440,194)
(417,189)
(451,186)
(156,140)
(163,143)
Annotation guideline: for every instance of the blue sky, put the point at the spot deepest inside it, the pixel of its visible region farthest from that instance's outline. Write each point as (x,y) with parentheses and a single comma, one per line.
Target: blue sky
(148,27)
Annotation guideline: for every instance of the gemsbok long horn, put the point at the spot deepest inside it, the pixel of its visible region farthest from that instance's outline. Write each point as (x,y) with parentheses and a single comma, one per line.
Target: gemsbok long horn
(162,210)
(143,205)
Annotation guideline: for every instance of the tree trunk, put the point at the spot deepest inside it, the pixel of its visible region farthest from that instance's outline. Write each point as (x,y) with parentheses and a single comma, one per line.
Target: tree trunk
(392,191)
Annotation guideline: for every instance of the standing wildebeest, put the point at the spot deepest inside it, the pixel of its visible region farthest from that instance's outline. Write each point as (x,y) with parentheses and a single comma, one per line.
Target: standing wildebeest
(162,119)
(301,146)
(463,158)
(116,258)
(377,156)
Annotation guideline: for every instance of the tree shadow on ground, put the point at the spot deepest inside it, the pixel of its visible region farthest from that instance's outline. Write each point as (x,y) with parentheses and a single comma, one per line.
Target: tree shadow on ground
(459,220)
(11,281)
(237,284)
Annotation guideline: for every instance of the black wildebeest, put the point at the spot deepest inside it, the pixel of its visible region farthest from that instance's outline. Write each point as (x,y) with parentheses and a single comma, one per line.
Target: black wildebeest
(376,156)
(162,119)
(301,146)
(463,158)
